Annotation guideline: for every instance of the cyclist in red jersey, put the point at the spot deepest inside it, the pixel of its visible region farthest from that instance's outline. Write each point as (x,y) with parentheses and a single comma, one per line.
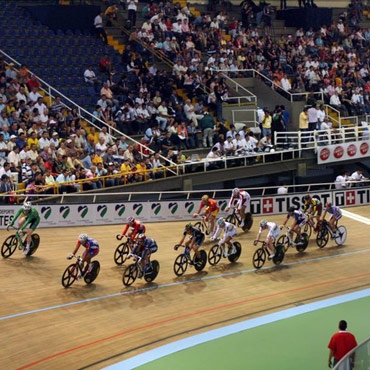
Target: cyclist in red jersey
(137,228)
(211,210)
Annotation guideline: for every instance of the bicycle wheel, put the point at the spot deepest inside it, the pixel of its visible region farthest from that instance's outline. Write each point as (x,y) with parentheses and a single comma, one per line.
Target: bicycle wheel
(283,240)
(9,246)
(89,278)
(232,219)
(200,226)
(235,256)
(279,255)
(70,275)
(214,255)
(259,258)
(153,271)
(121,253)
(35,244)
(308,229)
(180,265)
(341,235)
(248,222)
(130,274)
(302,244)
(322,237)
(200,263)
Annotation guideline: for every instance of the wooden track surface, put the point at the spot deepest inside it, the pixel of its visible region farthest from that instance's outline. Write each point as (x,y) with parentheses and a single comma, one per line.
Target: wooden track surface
(101,332)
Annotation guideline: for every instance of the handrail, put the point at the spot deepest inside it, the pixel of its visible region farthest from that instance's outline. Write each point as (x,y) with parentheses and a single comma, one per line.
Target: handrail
(339,120)
(238,86)
(343,362)
(255,116)
(81,109)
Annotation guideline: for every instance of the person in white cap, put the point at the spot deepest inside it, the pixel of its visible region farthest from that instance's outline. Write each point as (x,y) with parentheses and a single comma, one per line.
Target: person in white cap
(54,139)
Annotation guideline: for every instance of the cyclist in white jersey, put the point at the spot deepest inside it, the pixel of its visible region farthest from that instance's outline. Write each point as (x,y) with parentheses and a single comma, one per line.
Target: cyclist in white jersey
(229,233)
(272,234)
(243,198)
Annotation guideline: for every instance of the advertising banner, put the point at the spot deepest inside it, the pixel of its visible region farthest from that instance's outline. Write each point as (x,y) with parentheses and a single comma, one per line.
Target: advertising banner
(64,215)
(343,152)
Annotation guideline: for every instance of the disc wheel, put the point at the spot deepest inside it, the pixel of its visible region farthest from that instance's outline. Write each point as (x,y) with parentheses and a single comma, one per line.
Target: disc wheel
(284,241)
(89,278)
(130,274)
(279,255)
(200,263)
(121,253)
(180,265)
(322,237)
(341,235)
(35,244)
(302,243)
(259,258)
(70,275)
(248,222)
(308,229)
(235,256)
(214,255)
(153,271)
(9,246)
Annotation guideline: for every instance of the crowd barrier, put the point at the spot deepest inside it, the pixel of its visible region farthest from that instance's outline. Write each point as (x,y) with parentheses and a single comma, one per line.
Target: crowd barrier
(100,213)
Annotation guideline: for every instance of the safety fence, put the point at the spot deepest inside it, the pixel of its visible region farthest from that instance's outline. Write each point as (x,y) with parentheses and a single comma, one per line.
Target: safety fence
(357,359)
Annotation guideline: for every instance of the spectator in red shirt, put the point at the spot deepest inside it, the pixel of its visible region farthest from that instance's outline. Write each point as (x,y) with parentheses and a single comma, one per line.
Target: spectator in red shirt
(341,343)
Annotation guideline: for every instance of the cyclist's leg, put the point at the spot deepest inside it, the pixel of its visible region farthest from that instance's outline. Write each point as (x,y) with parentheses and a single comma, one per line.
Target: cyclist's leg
(242,214)
(270,246)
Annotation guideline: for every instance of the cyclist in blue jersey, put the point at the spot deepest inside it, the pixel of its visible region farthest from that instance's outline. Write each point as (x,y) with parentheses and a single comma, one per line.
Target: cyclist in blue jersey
(336,214)
(299,220)
(144,247)
(196,239)
(91,250)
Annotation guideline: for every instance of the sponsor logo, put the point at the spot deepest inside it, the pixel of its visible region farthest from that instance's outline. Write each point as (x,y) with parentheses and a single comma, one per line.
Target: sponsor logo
(189,206)
(324,154)
(173,207)
(222,205)
(102,210)
(364,148)
(351,150)
(83,211)
(338,152)
(350,198)
(120,209)
(46,212)
(138,208)
(156,207)
(64,211)
(267,205)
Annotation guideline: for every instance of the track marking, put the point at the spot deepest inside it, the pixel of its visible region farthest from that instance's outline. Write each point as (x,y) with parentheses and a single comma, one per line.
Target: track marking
(353,216)
(178,283)
(193,314)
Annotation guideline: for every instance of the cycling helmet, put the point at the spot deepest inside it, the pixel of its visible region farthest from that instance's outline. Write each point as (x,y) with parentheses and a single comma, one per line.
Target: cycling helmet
(141,237)
(263,224)
(131,219)
(82,238)
(205,198)
(188,227)
(328,205)
(221,221)
(235,192)
(307,197)
(291,209)
(27,206)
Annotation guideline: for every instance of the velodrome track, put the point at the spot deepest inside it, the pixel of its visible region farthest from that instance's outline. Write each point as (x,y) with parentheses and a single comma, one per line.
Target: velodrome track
(44,326)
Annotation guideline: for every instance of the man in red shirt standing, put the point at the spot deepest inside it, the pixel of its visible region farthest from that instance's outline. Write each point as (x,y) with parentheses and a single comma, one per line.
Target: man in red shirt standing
(341,343)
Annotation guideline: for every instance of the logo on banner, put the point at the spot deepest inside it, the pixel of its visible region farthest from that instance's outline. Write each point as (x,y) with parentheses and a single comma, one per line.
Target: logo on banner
(267,205)
(173,207)
(138,208)
(324,154)
(338,152)
(102,210)
(222,205)
(156,207)
(189,206)
(82,211)
(364,148)
(351,150)
(64,211)
(350,198)
(46,212)
(120,209)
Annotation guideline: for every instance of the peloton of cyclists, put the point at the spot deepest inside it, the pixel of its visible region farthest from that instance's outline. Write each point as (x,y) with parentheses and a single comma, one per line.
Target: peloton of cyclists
(272,234)
(137,226)
(210,211)
(336,214)
(243,198)
(144,247)
(299,220)
(313,207)
(196,239)
(229,232)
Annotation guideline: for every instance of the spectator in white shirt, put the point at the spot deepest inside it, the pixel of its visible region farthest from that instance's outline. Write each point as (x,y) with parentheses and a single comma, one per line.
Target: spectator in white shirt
(21,95)
(44,141)
(229,147)
(341,182)
(90,78)
(98,24)
(285,83)
(282,190)
(33,96)
(336,103)
(359,178)
(132,8)
(189,111)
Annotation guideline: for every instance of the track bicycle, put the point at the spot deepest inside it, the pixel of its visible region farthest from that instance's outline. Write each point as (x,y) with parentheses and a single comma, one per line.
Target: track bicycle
(204,226)
(123,250)
(132,271)
(309,225)
(325,233)
(217,251)
(299,243)
(74,271)
(261,254)
(184,259)
(234,219)
(13,241)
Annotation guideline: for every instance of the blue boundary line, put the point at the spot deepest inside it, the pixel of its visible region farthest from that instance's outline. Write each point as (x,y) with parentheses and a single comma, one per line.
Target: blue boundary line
(176,283)
(194,340)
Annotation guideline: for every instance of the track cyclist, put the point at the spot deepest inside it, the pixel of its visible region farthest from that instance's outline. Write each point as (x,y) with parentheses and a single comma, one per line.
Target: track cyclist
(138,227)
(229,232)
(196,239)
(336,214)
(243,198)
(299,220)
(29,220)
(91,250)
(313,207)
(210,212)
(144,247)
(272,235)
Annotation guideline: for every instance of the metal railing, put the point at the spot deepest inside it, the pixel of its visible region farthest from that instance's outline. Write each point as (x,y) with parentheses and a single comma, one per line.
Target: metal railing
(357,359)
(249,97)
(82,112)
(249,123)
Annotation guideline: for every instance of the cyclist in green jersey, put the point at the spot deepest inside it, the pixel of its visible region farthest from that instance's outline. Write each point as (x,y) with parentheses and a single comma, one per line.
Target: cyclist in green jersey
(28,222)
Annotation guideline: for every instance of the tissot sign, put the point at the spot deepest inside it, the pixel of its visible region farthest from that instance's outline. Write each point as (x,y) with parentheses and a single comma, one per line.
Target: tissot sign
(343,151)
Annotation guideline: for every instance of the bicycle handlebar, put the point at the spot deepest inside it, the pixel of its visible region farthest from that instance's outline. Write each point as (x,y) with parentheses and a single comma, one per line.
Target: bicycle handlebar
(138,258)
